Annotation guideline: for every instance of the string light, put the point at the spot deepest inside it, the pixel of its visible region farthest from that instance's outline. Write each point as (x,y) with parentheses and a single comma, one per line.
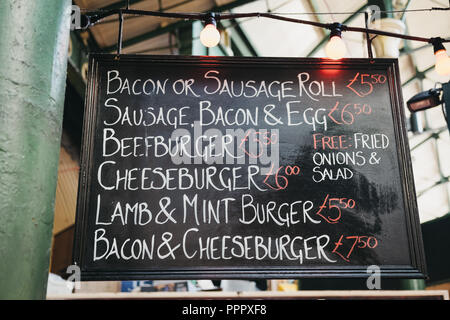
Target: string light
(210,36)
(442,64)
(335,48)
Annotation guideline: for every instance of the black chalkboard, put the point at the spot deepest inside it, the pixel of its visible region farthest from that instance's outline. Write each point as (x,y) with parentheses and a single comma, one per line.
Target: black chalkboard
(214,167)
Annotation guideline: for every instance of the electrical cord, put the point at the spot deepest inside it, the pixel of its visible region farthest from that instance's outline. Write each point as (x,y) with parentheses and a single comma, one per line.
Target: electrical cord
(93,17)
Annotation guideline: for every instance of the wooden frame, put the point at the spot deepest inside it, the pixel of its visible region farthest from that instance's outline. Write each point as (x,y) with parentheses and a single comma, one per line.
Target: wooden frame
(415,270)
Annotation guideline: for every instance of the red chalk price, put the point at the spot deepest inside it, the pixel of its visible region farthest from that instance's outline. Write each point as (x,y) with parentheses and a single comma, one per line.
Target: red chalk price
(277,180)
(261,138)
(330,210)
(362,84)
(346,114)
(352,243)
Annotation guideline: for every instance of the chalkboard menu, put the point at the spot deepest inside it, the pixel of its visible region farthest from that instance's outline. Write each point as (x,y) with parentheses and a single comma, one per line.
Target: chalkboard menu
(218,167)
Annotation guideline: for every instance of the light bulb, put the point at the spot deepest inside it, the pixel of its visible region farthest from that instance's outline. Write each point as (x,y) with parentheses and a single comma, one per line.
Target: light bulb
(335,48)
(442,65)
(210,36)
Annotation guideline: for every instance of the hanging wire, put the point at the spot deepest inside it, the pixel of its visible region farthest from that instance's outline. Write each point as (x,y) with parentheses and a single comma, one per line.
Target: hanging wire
(97,15)
(352,12)
(368,40)
(97,11)
(94,18)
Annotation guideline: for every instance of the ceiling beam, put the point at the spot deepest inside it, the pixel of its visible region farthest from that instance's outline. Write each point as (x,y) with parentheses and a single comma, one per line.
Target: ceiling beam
(119,4)
(325,39)
(239,38)
(122,4)
(243,36)
(403,15)
(128,18)
(173,26)
(419,75)
(149,35)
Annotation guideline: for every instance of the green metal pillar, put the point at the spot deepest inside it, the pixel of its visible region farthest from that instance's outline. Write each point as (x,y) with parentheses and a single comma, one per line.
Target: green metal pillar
(34,37)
